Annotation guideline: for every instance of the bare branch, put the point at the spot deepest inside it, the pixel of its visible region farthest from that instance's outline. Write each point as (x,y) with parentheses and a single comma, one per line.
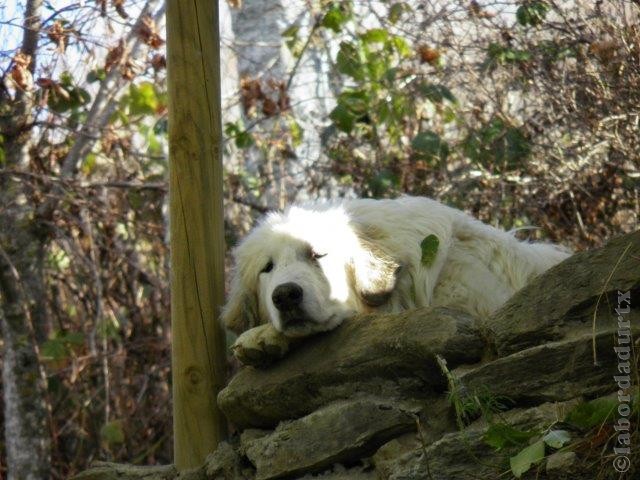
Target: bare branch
(104,102)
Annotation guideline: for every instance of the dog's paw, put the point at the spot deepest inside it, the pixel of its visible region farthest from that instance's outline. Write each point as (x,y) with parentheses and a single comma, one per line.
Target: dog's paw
(260,346)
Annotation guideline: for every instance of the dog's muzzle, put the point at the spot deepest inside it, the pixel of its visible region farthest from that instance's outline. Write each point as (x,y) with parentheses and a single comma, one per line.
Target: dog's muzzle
(287,298)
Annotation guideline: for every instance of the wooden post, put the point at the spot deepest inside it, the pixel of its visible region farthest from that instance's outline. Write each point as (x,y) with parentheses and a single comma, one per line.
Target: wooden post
(196,227)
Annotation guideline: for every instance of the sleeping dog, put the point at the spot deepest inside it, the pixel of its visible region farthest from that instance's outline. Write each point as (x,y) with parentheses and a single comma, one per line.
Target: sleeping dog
(307,269)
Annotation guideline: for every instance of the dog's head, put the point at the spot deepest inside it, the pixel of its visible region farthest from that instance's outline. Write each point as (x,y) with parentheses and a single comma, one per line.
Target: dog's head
(305,271)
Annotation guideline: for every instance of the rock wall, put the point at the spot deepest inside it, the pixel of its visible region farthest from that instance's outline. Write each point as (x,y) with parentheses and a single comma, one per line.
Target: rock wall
(433,394)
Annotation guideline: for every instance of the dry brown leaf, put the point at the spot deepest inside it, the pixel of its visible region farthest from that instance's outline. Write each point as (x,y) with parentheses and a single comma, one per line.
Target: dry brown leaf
(20,73)
(148,32)
(251,92)
(159,62)
(428,55)
(476,10)
(57,34)
(127,70)
(114,56)
(269,107)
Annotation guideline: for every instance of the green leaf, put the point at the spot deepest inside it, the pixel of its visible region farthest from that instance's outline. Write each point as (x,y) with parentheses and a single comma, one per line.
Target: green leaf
(336,17)
(142,99)
(374,35)
(89,163)
(356,101)
(383,183)
(243,139)
(112,432)
(448,115)
(96,75)
(396,10)
(292,40)
(497,145)
(240,136)
(436,92)
(557,438)
(390,75)
(291,32)
(401,46)
(593,413)
(501,435)
(429,146)
(517,146)
(532,13)
(348,61)
(296,131)
(529,456)
(67,96)
(54,349)
(500,54)
(429,248)
(73,338)
(342,118)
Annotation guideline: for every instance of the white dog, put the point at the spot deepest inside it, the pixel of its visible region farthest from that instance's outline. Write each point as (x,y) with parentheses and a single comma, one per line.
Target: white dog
(309,268)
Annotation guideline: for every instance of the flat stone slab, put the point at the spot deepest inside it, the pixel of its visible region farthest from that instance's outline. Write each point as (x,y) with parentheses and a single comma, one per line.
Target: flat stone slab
(333,434)
(551,372)
(465,455)
(117,471)
(559,302)
(387,356)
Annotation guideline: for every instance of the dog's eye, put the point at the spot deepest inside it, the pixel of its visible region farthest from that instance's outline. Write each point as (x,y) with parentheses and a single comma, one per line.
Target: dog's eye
(316,255)
(268,267)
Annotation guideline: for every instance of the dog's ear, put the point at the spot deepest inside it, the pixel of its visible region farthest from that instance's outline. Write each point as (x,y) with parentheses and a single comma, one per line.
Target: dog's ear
(374,270)
(241,312)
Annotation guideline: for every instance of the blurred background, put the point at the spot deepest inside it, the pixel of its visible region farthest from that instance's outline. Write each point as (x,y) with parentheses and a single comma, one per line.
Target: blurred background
(523,113)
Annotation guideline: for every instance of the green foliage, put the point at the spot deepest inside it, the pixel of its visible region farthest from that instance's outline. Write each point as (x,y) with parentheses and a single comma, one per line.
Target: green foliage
(436,93)
(58,259)
(112,433)
(338,14)
(96,75)
(292,40)
(60,345)
(497,145)
(502,54)
(352,106)
(383,182)
(593,413)
(382,106)
(429,146)
(236,132)
(532,13)
(502,435)
(67,96)
(526,458)
(349,60)
(142,99)
(295,130)
(429,248)
(397,10)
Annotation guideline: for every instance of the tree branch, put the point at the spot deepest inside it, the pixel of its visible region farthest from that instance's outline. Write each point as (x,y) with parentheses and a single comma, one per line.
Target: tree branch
(104,102)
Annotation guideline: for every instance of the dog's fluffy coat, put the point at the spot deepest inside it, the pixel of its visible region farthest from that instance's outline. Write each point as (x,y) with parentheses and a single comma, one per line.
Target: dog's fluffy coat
(365,255)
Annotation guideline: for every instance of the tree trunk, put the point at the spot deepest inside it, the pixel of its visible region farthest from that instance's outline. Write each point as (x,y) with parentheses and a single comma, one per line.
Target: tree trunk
(23,310)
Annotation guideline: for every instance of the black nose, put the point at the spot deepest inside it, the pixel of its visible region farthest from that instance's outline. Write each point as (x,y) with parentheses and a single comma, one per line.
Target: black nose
(287,296)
